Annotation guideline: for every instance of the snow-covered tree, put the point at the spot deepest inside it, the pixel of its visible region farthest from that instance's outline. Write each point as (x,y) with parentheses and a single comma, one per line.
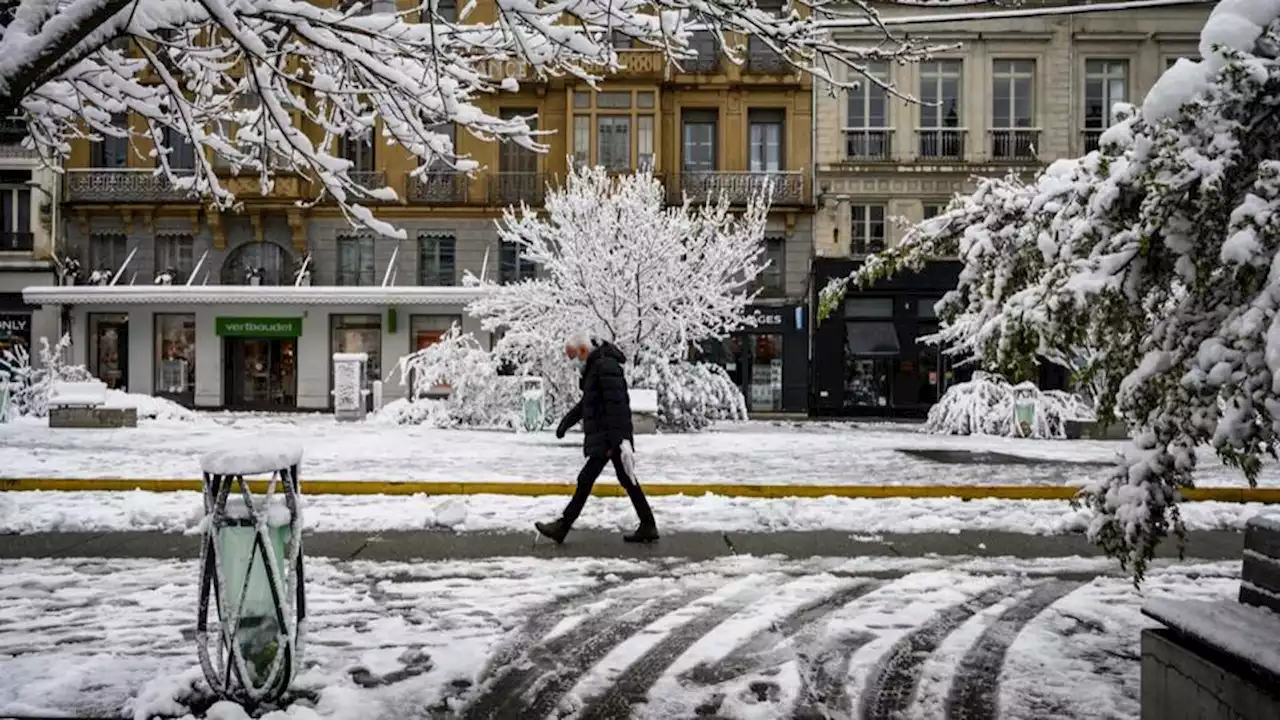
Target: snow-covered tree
(269,85)
(1161,254)
(477,395)
(614,259)
(30,386)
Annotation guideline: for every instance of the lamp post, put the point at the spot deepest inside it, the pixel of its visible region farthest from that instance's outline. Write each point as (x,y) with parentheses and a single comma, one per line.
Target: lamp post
(251,564)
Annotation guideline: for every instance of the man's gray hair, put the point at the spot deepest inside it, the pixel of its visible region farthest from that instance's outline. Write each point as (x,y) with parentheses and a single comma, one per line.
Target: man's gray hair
(578,339)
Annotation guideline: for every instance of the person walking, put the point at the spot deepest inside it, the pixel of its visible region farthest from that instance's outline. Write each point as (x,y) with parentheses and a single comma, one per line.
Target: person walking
(607,435)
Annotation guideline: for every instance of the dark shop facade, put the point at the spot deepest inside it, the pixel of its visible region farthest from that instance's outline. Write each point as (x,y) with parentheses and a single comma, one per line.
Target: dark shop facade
(768,362)
(867,358)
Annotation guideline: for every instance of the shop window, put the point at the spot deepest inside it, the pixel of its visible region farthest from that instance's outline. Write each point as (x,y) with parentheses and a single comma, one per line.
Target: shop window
(871,349)
(868,307)
(175,361)
(437,260)
(765,362)
(355,260)
(258,263)
(109,349)
(15,332)
(428,329)
(359,334)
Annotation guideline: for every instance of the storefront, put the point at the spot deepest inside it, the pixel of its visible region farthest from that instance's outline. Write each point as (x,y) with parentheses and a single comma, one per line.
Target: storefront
(245,347)
(23,324)
(867,356)
(769,362)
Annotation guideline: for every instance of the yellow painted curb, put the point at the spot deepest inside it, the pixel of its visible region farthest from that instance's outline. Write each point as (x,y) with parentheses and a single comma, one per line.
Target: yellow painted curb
(609,489)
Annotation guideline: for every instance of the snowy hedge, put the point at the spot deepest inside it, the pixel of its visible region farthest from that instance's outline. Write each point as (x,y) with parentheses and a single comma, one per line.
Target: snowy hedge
(690,395)
(987,404)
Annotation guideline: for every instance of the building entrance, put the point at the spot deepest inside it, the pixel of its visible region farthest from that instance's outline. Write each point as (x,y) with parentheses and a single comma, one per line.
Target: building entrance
(261,373)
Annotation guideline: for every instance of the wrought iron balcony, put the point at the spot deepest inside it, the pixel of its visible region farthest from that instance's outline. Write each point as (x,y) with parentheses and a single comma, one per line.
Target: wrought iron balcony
(786,188)
(368,179)
(875,144)
(765,61)
(512,188)
(438,188)
(708,59)
(1092,139)
(121,185)
(17,242)
(942,143)
(1014,144)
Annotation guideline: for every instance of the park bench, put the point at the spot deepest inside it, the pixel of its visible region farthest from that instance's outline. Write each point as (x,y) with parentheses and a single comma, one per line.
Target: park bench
(1219,659)
(82,404)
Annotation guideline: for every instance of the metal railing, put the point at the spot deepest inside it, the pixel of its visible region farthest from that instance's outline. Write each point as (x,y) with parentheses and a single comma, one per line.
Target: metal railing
(786,188)
(1092,139)
(763,59)
(438,188)
(868,144)
(116,185)
(942,143)
(17,242)
(368,179)
(512,188)
(1014,144)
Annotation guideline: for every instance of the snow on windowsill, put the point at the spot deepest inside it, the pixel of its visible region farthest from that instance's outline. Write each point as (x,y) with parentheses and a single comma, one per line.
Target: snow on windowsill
(1248,632)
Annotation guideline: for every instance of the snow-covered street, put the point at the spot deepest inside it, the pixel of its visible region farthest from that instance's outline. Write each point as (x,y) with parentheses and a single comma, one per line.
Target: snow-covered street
(739,637)
(754,452)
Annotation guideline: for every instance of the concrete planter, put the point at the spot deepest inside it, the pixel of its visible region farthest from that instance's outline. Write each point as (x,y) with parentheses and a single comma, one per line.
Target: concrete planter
(91,417)
(1082,430)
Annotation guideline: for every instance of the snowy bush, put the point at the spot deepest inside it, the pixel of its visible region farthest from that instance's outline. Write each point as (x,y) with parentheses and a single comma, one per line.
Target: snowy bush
(986,405)
(690,395)
(30,386)
(477,395)
(1161,254)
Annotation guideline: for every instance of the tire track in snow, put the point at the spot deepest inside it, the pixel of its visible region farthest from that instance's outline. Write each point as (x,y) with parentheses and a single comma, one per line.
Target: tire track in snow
(973,694)
(892,686)
(564,672)
(634,684)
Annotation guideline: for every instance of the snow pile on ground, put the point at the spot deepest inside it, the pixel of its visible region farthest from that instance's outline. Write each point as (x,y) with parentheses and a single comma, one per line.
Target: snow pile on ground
(988,405)
(150,408)
(182,512)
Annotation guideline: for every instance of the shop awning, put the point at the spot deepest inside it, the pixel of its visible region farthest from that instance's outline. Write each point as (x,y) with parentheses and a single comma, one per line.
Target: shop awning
(871,338)
(247,295)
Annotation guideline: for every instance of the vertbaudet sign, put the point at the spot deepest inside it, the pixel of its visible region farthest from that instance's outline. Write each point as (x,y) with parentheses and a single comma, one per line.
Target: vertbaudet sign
(258,327)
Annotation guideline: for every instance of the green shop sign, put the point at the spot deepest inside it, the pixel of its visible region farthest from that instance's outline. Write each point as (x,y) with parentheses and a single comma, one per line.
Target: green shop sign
(258,327)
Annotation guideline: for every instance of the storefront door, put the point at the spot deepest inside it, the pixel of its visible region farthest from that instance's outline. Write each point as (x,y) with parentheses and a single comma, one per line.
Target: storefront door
(261,373)
(109,349)
(764,370)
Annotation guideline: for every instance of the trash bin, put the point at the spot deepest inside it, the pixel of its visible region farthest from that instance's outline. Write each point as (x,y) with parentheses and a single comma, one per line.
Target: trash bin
(350,386)
(533,395)
(1024,409)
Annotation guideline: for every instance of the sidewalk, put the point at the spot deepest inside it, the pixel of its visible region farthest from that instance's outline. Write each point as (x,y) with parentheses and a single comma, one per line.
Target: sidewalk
(437,545)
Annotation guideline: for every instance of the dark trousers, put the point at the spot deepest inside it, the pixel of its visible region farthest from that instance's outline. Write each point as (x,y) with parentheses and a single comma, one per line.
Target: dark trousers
(587,478)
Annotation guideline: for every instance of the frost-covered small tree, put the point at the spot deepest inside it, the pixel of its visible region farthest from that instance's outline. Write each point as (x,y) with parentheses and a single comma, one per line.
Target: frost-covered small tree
(1160,253)
(616,260)
(271,85)
(30,386)
(478,396)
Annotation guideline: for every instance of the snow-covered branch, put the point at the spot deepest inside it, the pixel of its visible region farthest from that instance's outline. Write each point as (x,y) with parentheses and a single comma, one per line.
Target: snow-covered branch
(269,86)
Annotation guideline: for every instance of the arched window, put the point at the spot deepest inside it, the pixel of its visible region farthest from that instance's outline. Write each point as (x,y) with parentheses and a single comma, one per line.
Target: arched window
(271,263)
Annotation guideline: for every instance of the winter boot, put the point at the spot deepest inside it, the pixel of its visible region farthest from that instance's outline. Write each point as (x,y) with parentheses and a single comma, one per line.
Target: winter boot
(643,534)
(555,530)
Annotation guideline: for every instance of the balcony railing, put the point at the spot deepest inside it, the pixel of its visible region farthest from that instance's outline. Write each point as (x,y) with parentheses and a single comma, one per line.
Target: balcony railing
(1011,144)
(512,188)
(117,185)
(444,188)
(1092,139)
(17,242)
(874,144)
(368,179)
(12,130)
(765,61)
(941,143)
(787,188)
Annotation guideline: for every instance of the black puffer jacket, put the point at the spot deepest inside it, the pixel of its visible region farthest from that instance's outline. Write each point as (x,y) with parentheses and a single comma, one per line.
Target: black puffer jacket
(605,407)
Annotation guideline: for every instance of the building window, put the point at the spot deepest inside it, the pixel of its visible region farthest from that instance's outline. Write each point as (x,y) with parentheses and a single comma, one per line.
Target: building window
(359,151)
(765,133)
(437,260)
(773,278)
(447,10)
(868,229)
(108,251)
(867,133)
(933,210)
(355,260)
(613,129)
(1013,110)
(427,330)
(698,140)
(1106,83)
(111,151)
(176,357)
(182,154)
(258,263)
(359,334)
(514,267)
(15,219)
(175,254)
(708,60)
(941,135)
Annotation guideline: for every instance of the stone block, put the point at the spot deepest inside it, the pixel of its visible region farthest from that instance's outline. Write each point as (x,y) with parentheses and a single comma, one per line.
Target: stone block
(93,417)
(1082,430)
(1183,681)
(1260,574)
(644,423)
